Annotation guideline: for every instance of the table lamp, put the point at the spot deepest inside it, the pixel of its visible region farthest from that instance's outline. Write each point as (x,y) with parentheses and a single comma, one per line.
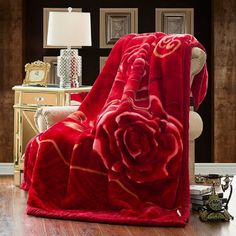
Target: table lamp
(66,30)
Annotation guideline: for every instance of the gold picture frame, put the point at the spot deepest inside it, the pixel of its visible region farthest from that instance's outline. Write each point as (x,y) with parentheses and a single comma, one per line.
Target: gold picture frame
(36,73)
(174,20)
(45,24)
(115,23)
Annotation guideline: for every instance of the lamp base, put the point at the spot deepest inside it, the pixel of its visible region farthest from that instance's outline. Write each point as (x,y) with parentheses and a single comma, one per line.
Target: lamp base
(69,68)
(65,83)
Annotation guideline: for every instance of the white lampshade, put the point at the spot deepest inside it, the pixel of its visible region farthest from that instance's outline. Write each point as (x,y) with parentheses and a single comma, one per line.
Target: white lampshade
(68,29)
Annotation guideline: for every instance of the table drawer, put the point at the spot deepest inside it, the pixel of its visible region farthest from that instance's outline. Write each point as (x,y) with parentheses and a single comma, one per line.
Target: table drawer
(39,98)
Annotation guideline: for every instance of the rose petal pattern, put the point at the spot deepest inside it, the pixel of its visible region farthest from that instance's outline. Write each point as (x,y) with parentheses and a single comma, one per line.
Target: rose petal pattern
(138,141)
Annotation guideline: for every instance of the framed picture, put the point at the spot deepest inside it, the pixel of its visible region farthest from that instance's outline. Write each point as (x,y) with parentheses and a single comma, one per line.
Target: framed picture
(36,73)
(52,75)
(102,61)
(45,23)
(115,23)
(174,20)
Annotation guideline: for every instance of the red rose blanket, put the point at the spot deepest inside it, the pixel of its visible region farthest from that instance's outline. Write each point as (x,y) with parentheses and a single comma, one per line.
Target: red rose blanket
(123,156)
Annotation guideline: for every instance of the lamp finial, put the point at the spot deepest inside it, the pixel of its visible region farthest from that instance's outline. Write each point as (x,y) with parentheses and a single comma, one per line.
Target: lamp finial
(69,9)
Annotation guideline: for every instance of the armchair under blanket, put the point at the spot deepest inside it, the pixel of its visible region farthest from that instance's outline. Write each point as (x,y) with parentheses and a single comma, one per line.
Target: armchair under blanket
(122,156)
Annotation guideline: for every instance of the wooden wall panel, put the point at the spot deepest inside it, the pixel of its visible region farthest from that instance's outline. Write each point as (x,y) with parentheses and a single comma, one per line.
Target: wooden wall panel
(224,80)
(10,70)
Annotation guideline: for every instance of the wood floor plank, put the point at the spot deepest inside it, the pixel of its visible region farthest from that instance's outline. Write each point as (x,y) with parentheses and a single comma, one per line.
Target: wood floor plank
(173,231)
(6,209)
(113,230)
(55,227)
(86,229)
(6,227)
(23,223)
(30,225)
(144,231)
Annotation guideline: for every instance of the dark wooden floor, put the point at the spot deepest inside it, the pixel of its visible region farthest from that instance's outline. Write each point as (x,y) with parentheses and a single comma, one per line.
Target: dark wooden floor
(14,221)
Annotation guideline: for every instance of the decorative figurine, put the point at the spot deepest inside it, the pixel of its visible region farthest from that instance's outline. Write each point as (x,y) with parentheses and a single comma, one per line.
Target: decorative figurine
(214,209)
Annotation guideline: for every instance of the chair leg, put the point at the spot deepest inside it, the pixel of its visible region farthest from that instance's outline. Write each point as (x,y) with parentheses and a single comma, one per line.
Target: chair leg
(192,162)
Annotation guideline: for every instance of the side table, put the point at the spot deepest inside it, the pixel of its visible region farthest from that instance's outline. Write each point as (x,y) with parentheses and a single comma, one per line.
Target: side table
(27,100)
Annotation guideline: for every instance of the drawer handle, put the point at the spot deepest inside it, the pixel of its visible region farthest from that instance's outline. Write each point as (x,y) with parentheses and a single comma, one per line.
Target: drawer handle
(39,99)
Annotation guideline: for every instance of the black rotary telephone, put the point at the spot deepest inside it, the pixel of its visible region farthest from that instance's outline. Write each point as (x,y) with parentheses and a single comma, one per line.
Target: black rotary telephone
(214,210)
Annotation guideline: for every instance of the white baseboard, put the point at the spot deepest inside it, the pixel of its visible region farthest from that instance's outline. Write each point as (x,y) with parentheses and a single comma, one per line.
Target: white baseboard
(6,168)
(215,168)
(200,168)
